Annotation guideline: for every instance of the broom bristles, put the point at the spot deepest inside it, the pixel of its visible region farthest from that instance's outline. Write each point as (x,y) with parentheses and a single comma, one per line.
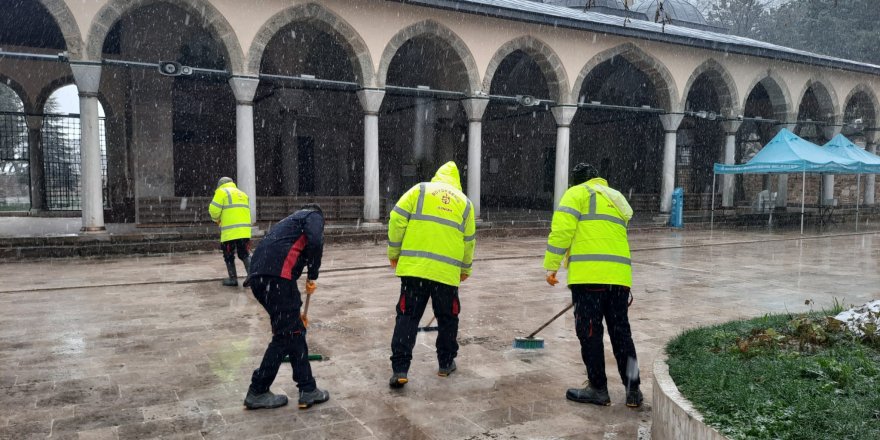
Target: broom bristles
(528,343)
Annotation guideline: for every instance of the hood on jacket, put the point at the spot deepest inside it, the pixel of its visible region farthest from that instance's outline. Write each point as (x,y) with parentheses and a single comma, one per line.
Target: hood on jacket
(448,174)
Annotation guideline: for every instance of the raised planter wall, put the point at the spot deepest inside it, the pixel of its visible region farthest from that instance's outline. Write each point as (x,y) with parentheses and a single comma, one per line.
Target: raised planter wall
(673,417)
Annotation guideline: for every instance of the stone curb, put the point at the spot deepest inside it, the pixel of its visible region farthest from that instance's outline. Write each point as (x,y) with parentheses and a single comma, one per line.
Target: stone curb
(673,417)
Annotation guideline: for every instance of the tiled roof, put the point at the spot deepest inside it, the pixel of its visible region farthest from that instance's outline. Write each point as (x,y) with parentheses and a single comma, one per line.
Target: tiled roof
(530,11)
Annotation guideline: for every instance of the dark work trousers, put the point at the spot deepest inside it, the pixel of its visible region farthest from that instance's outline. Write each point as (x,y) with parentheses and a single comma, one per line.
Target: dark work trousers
(282,300)
(592,302)
(240,246)
(414,294)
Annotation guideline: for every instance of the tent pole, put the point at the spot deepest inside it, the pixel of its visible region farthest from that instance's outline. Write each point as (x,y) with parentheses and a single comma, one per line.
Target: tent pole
(803,196)
(712,218)
(858,194)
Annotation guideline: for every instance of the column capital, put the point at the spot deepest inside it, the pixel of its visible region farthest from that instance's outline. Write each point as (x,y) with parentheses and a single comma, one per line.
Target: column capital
(564,114)
(371,100)
(872,136)
(671,121)
(87,77)
(475,107)
(731,127)
(34,122)
(831,130)
(244,88)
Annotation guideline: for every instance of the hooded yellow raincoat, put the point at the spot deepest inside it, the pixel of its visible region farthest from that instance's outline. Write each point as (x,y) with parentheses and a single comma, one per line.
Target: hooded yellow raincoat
(590,224)
(230,209)
(431,230)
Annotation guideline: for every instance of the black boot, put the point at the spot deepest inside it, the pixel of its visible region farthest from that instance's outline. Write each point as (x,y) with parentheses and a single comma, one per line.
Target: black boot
(589,395)
(265,400)
(306,400)
(247,269)
(233,277)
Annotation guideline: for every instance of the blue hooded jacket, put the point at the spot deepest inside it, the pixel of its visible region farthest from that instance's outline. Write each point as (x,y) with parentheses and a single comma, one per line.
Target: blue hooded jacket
(290,246)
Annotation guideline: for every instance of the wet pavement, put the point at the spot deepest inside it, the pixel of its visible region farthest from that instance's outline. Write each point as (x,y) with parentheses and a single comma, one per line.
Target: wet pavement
(155,347)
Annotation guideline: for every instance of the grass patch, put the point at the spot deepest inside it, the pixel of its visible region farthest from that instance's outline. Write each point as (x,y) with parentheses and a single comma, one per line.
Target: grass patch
(781,377)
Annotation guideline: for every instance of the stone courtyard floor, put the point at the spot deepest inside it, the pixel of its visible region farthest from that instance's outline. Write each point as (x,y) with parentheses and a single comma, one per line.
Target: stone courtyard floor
(154,347)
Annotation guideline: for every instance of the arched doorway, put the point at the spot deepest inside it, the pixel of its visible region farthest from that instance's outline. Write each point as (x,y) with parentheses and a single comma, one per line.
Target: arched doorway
(765,107)
(47,31)
(177,134)
(518,142)
(309,140)
(708,102)
(60,142)
(421,124)
(625,145)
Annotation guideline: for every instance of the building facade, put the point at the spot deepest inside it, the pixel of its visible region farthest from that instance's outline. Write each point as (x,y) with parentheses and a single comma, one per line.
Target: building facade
(353,101)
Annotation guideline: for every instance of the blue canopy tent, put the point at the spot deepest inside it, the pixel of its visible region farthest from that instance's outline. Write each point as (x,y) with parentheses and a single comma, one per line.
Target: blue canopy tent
(868,162)
(788,153)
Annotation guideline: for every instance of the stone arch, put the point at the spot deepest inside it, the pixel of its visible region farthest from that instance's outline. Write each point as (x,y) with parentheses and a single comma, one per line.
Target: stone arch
(863,88)
(825,94)
(327,21)
(69,29)
(49,88)
(64,81)
(437,30)
(723,83)
(777,88)
(550,64)
(213,21)
(20,91)
(664,83)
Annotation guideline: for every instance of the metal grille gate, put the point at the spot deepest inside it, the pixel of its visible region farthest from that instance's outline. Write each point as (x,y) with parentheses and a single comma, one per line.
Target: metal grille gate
(62,171)
(14,170)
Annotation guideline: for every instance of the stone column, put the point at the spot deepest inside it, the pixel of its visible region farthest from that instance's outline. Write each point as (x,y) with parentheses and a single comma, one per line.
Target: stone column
(474,109)
(828,179)
(371,101)
(782,179)
(727,180)
(244,89)
(870,178)
(563,115)
(88,79)
(670,123)
(35,162)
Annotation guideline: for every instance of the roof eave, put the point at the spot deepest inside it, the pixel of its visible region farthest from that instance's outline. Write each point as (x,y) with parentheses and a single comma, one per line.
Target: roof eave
(536,18)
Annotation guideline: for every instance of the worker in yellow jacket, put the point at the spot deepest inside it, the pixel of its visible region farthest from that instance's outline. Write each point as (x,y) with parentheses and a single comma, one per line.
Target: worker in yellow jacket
(231,211)
(589,226)
(431,239)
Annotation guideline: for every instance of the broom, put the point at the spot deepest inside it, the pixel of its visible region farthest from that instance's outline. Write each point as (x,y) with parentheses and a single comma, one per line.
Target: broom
(428,327)
(305,320)
(530,342)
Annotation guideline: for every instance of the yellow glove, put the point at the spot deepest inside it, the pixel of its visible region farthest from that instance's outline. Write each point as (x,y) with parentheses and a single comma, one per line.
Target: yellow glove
(551,278)
(310,287)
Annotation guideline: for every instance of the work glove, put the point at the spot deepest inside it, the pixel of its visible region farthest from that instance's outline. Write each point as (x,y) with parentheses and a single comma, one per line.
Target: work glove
(393,264)
(311,286)
(551,278)
(463,277)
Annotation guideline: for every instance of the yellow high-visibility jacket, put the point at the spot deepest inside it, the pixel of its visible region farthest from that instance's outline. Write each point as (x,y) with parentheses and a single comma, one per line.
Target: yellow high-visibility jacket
(431,230)
(230,210)
(590,224)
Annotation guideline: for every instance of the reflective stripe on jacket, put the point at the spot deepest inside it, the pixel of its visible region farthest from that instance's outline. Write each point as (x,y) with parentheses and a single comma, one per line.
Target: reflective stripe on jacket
(590,225)
(231,210)
(431,230)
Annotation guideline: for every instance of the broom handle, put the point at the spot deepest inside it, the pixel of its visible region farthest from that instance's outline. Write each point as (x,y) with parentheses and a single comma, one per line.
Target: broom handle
(551,320)
(431,321)
(306,308)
